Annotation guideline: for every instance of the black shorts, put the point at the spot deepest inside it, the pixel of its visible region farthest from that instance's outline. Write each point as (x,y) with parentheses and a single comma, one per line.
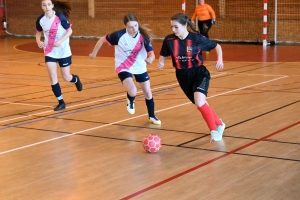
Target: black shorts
(138,77)
(63,62)
(193,80)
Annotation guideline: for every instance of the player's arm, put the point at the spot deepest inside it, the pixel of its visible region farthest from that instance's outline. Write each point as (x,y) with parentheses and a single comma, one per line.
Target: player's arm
(67,35)
(38,36)
(212,14)
(150,58)
(97,47)
(219,63)
(161,62)
(194,16)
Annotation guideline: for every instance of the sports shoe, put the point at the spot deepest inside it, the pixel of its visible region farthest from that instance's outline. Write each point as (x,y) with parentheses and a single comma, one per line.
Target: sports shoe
(60,107)
(221,128)
(215,136)
(78,83)
(155,120)
(130,107)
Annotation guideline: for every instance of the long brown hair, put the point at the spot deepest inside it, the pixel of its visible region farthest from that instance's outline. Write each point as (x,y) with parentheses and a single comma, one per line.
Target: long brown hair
(62,6)
(183,19)
(146,32)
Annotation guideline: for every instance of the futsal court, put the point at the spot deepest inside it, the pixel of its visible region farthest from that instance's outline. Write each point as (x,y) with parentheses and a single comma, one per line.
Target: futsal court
(93,148)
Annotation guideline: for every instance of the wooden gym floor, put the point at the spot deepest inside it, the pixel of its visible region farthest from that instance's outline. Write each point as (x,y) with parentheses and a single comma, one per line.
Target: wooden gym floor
(92,149)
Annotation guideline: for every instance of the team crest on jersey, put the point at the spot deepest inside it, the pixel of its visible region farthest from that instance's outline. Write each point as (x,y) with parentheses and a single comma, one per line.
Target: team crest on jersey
(188,48)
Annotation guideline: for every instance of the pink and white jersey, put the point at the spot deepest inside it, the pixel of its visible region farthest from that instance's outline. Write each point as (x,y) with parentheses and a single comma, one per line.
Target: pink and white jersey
(54,29)
(130,52)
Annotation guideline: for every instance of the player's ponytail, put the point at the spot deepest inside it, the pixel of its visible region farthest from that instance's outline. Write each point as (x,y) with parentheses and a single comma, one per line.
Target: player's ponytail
(146,32)
(190,24)
(62,6)
(183,20)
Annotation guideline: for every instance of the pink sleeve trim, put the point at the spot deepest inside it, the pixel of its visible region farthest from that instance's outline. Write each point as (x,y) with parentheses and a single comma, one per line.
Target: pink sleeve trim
(106,40)
(70,27)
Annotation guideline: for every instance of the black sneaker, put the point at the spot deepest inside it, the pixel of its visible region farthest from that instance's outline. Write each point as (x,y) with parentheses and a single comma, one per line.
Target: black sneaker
(60,107)
(78,83)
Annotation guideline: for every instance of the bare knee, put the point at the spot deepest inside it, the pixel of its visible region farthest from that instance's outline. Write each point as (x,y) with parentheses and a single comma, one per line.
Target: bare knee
(67,77)
(200,99)
(132,91)
(148,94)
(199,103)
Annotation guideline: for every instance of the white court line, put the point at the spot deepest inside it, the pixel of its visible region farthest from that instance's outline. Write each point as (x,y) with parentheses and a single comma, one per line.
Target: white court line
(249,173)
(219,74)
(250,74)
(82,104)
(43,64)
(25,104)
(97,127)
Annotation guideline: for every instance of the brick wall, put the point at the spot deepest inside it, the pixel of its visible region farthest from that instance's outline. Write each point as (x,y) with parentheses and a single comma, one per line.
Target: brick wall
(237,20)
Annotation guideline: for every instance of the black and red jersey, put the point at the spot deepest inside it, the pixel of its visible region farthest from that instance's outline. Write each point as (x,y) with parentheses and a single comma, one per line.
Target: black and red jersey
(186,53)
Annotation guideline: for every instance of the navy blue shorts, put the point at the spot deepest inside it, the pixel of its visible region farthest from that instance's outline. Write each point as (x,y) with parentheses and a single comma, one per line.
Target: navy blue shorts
(63,62)
(193,80)
(138,77)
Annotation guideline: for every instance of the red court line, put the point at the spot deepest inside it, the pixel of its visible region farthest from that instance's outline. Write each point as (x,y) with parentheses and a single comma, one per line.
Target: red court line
(207,162)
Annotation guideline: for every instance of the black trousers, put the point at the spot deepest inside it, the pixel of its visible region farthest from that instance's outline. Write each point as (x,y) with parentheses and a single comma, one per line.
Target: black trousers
(204,27)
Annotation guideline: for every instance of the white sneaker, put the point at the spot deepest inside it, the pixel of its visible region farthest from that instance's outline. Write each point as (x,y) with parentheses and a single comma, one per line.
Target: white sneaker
(215,136)
(130,107)
(221,128)
(155,120)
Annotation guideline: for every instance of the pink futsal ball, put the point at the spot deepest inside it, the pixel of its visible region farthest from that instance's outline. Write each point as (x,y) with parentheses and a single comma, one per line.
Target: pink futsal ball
(152,143)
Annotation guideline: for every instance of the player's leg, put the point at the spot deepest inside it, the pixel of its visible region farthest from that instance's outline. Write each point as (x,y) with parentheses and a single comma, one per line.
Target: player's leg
(200,88)
(203,28)
(208,25)
(144,81)
(126,79)
(65,64)
(220,124)
(52,71)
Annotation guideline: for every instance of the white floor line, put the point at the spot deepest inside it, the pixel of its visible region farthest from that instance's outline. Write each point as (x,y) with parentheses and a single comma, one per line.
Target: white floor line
(26,104)
(97,127)
(246,74)
(105,100)
(83,104)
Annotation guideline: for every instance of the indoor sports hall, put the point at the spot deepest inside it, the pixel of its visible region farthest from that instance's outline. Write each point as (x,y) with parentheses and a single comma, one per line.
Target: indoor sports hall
(92,150)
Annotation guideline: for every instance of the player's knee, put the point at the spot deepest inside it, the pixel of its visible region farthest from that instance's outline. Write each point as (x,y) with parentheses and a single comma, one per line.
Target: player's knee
(199,103)
(67,77)
(132,91)
(148,94)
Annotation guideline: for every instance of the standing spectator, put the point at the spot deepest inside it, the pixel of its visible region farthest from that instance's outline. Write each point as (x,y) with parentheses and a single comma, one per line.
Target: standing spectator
(185,49)
(57,30)
(206,17)
(133,51)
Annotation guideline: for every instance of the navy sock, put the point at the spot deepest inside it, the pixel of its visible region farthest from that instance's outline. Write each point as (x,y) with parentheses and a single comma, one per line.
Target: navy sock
(131,99)
(74,79)
(57,92)
(150,107)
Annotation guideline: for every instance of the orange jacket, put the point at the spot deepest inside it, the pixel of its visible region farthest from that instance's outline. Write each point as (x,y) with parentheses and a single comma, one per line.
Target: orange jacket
(204,12)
